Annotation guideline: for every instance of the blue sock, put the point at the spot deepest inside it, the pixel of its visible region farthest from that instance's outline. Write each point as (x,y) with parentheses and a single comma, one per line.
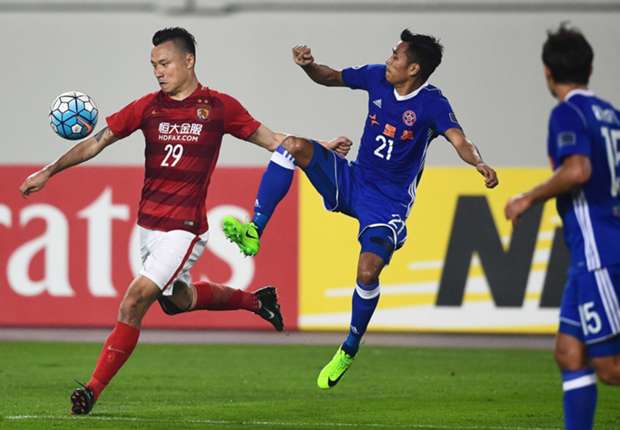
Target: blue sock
(365,299)
(273,187)
(579,399)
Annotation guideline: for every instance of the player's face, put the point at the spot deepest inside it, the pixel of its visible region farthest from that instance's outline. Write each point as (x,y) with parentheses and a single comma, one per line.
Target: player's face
(172,67)
(399,69)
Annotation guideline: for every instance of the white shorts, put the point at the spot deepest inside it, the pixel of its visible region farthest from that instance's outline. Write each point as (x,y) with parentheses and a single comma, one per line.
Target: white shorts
(167,256)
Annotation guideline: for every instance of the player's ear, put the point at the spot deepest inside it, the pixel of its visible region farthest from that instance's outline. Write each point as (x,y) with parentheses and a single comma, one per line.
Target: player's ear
(190,60)
(414,69)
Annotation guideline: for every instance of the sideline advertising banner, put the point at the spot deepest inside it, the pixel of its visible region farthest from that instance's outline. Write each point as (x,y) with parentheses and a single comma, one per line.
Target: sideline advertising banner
(68,252)
(462,269)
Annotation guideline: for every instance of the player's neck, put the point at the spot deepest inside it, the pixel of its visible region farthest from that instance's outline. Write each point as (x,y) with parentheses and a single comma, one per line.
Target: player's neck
(186,90)
(562,90)
(407,87)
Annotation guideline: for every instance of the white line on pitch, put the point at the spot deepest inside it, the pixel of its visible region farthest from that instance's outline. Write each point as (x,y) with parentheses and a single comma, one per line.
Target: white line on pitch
(268,423)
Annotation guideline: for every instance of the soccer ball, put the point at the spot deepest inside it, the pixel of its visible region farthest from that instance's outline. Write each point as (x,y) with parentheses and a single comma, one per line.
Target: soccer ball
(73,115)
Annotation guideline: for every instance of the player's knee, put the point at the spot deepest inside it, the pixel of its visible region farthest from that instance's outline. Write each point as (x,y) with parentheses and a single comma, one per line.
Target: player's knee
(367,276)
(137,300)
(568,358)
(129,309)
(295,145)
(180,301)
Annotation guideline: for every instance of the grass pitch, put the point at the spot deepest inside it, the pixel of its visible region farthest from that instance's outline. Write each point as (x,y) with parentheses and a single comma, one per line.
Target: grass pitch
(273,387)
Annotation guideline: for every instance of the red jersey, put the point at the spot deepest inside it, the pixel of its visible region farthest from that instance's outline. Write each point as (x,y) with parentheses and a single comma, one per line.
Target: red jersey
(183,140)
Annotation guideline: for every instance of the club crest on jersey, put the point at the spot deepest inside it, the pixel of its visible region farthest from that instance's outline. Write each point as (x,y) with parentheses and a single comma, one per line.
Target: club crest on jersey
(202,113)
(409,118)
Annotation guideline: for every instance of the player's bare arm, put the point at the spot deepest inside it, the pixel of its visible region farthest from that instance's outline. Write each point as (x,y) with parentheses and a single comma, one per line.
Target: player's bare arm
(470,154)
(319,73)
(574,172)
(270,140)
(83,151)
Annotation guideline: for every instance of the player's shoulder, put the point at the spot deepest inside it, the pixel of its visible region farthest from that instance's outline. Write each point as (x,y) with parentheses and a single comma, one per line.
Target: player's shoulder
(221,98)
(432,92)
(433,97)
(568,111)
(376,72)
(147,98)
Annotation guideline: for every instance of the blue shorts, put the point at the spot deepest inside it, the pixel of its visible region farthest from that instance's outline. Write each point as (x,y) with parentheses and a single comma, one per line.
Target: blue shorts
(590,310)
(382,228)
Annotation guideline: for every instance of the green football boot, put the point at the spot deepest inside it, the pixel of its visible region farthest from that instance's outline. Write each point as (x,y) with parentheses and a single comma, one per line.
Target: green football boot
(334,370)
(244,235)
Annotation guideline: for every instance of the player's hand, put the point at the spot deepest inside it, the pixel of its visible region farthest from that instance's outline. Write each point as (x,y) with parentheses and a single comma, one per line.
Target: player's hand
(516,206)
(340,145)
(302,55)
(34,182)
(490,176)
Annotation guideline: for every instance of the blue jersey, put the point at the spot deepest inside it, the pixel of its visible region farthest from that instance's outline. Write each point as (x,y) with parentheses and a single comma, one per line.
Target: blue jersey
(586,125)
(398,131)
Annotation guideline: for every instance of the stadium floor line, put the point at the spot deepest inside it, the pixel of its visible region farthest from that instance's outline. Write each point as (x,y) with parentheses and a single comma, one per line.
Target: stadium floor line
(541,342)
(268,423)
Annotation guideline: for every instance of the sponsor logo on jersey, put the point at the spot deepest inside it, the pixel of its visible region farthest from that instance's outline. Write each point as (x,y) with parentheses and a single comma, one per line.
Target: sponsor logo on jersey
(389,130)
(377,103)
(409,118)
(373,120)
(175,132)
(407,135)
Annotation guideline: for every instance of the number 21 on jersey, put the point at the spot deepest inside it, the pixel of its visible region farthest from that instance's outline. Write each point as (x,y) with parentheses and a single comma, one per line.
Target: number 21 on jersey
(381,150)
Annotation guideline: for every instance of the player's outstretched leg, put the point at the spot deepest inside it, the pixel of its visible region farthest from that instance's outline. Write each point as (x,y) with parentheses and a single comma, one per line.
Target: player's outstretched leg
(274,186)
(263,302)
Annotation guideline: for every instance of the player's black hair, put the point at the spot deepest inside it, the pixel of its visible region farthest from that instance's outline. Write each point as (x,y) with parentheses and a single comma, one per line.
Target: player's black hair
(568,55)
(180,36)
(423,50)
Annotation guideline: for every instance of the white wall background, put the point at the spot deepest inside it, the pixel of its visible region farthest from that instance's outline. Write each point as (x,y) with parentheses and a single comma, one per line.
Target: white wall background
(491,72)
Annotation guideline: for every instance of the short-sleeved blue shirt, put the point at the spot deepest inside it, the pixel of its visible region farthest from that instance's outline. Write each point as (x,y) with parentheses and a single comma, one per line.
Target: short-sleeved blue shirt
(397,131)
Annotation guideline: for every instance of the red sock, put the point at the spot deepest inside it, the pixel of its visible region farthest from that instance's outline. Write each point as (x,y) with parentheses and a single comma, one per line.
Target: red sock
(217,297)
(116,350)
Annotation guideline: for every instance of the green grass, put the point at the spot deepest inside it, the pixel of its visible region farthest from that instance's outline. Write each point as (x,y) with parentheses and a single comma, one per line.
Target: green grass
(273,387)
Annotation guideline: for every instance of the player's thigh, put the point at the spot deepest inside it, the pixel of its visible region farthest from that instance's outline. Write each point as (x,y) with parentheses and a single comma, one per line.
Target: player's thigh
(325,172)
(570,350)
(171,256)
